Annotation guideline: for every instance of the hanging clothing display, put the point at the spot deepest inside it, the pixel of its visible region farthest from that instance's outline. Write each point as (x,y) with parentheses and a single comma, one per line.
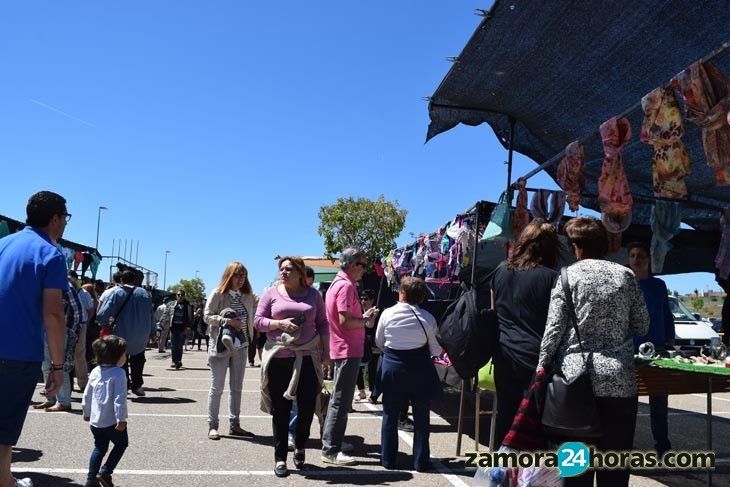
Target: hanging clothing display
(571,174)
(614,196)
(4,229)
(521,216)
(722,260)
(663,129)
(705,90)
(665,219)
(539,206)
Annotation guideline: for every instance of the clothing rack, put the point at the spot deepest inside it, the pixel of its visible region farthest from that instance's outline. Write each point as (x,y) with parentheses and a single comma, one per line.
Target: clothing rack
(626,112)
(688,202)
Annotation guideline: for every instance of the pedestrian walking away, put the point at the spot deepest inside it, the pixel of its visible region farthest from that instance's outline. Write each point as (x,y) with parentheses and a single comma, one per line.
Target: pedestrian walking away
(105,408)
(129,308)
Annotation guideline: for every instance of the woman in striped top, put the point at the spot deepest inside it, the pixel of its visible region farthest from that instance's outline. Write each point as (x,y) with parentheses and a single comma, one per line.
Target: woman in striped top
(233,293)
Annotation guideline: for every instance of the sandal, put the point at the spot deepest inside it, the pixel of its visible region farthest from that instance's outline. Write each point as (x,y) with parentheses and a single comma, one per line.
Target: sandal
(280,469)
(299,459)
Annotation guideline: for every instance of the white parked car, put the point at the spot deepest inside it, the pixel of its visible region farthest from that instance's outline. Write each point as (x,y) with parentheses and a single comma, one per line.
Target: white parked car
(688,330)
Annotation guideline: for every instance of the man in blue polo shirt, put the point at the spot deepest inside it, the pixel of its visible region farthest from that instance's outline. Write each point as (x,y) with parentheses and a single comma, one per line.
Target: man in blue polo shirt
(32,280)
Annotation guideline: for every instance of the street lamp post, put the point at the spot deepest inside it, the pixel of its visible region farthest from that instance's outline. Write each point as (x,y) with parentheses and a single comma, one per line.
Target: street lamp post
(196,274)
(98,220)
(164,275)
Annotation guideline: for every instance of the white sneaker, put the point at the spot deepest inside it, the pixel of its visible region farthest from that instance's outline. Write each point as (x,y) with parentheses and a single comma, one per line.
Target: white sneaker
(26,482)
(138,392)
(346,447)
(339,459)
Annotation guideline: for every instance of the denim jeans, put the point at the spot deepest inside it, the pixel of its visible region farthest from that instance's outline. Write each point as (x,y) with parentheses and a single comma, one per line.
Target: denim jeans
(400,378)
(177,339)
(63,395)
(102,437)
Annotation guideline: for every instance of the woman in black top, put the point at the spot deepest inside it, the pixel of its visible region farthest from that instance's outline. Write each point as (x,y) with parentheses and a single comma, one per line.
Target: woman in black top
(521,288)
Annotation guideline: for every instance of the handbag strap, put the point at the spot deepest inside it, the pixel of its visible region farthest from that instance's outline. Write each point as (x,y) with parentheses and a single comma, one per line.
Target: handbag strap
(571,309)
(126,300)
(420,323)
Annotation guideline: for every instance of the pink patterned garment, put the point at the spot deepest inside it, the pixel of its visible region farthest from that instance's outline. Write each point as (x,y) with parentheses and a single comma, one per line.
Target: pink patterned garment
(705,90)
(614,195)
(521,216)
(663,129)
(571,174)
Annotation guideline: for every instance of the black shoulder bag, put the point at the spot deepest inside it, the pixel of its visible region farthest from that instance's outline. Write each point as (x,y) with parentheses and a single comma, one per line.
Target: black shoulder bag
(570,406)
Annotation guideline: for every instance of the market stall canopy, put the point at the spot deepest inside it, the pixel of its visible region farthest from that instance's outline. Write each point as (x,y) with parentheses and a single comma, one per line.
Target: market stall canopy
(560,69)
(15,225)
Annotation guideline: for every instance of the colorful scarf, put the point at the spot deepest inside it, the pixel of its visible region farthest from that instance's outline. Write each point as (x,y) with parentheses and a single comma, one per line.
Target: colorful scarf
(705,90)
(663,129)
(614,196)
(571,174)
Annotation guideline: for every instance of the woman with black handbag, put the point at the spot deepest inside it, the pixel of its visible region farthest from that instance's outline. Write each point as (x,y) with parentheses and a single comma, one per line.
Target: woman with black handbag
(521,288)
(595,334)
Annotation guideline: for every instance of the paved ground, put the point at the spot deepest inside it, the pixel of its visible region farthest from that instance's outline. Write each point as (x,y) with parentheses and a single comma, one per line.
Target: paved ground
(169,447)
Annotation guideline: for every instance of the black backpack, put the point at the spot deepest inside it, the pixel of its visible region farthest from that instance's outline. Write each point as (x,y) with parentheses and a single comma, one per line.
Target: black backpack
(469,331)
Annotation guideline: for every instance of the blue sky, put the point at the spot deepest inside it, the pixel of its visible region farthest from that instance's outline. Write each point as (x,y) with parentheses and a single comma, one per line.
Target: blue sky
(216,130)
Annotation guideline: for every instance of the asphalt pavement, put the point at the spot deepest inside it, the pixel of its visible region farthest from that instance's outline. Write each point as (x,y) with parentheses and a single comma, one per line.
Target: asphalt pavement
(169,444)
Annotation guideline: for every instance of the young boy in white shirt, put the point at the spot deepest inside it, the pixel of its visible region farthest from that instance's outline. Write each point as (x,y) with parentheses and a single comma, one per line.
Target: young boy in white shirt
(105,406)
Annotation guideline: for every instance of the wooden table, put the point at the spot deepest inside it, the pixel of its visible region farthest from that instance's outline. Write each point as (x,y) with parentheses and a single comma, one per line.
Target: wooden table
(668,381)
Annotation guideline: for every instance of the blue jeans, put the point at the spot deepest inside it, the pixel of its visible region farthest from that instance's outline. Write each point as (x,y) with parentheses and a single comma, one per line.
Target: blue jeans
(177,339)
(102,437)
(401,381)
(63,394)
(293,418)
(659,412)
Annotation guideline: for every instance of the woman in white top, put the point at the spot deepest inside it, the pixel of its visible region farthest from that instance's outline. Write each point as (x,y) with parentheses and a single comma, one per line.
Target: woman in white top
(233,293)
(407,335)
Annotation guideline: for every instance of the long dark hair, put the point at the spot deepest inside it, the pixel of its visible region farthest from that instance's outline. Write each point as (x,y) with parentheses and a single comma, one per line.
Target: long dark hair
(538,244)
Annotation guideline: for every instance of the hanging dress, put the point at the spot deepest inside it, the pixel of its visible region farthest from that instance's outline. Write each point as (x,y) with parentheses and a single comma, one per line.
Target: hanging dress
(614,196)
(663,129)
(571,174)
(705,90)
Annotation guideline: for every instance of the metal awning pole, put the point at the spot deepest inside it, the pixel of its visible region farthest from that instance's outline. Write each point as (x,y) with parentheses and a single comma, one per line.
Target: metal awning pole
(510,151)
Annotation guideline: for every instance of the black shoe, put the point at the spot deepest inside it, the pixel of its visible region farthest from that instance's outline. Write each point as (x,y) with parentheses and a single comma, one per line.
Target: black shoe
(178,365)
(373,400)
(238,431)
(425,468)
(299,459)
(280,470)
(406,425)
(105,480)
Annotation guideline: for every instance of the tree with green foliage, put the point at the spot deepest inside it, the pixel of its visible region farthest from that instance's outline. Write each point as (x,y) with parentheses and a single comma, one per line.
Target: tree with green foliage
(194,289)
(697,304)
(363,223)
